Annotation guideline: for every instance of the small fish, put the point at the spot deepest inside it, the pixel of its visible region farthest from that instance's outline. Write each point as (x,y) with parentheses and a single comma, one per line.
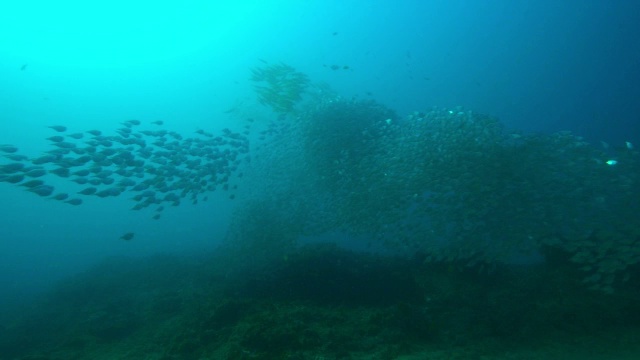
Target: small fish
(629,145)
(58,152)
(42,190)
(35,172)
(81,181)
(88,191)
(65,145)
(58,128)
(62,196)
(77,135)
(8,148)
(81,160)
(128,236)
(611,162)
(103,193)
(15,157)
(74,202)
(13,179)
(11,168)
(62,172)
(56,138)
(23,67)
(139,206)
(32,183)
(44,159)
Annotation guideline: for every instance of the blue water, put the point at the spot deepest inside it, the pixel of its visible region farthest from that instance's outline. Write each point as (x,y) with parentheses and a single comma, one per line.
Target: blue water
(539,66)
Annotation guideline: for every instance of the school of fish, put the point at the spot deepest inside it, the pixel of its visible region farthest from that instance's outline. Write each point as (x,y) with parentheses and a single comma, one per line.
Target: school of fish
(158,167)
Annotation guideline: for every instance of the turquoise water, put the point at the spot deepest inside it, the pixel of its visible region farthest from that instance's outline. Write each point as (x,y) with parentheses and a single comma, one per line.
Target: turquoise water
(262,126)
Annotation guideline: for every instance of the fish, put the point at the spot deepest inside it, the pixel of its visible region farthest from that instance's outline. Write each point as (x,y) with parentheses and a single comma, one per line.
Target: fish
(16,157)
(108,152)
(58,128)
(35,173)
(175,167)
(42,190)
(62,172)
(13,179)
(81,180)
(8,148)
(82,160)
(126,182)
(104,173)
(32,183)
(128,236)
(65,145)
(44,159)
(74,202)
(11,168)
(77,135)
(114,191)
(58,152)
(56,138)
(88,191)
(61,196)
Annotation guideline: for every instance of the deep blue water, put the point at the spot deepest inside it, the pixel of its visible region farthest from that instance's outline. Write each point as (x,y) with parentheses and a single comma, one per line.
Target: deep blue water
(539,66)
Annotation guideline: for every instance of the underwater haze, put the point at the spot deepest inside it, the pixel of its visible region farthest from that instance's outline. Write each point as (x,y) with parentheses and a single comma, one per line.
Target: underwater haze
(475,132)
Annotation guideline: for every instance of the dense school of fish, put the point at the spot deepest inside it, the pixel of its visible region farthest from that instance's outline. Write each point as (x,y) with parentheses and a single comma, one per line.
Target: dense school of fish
(451,184)
(159,167)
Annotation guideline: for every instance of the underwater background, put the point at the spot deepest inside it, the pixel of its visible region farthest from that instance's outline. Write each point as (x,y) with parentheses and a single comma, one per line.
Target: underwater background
(319,180)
